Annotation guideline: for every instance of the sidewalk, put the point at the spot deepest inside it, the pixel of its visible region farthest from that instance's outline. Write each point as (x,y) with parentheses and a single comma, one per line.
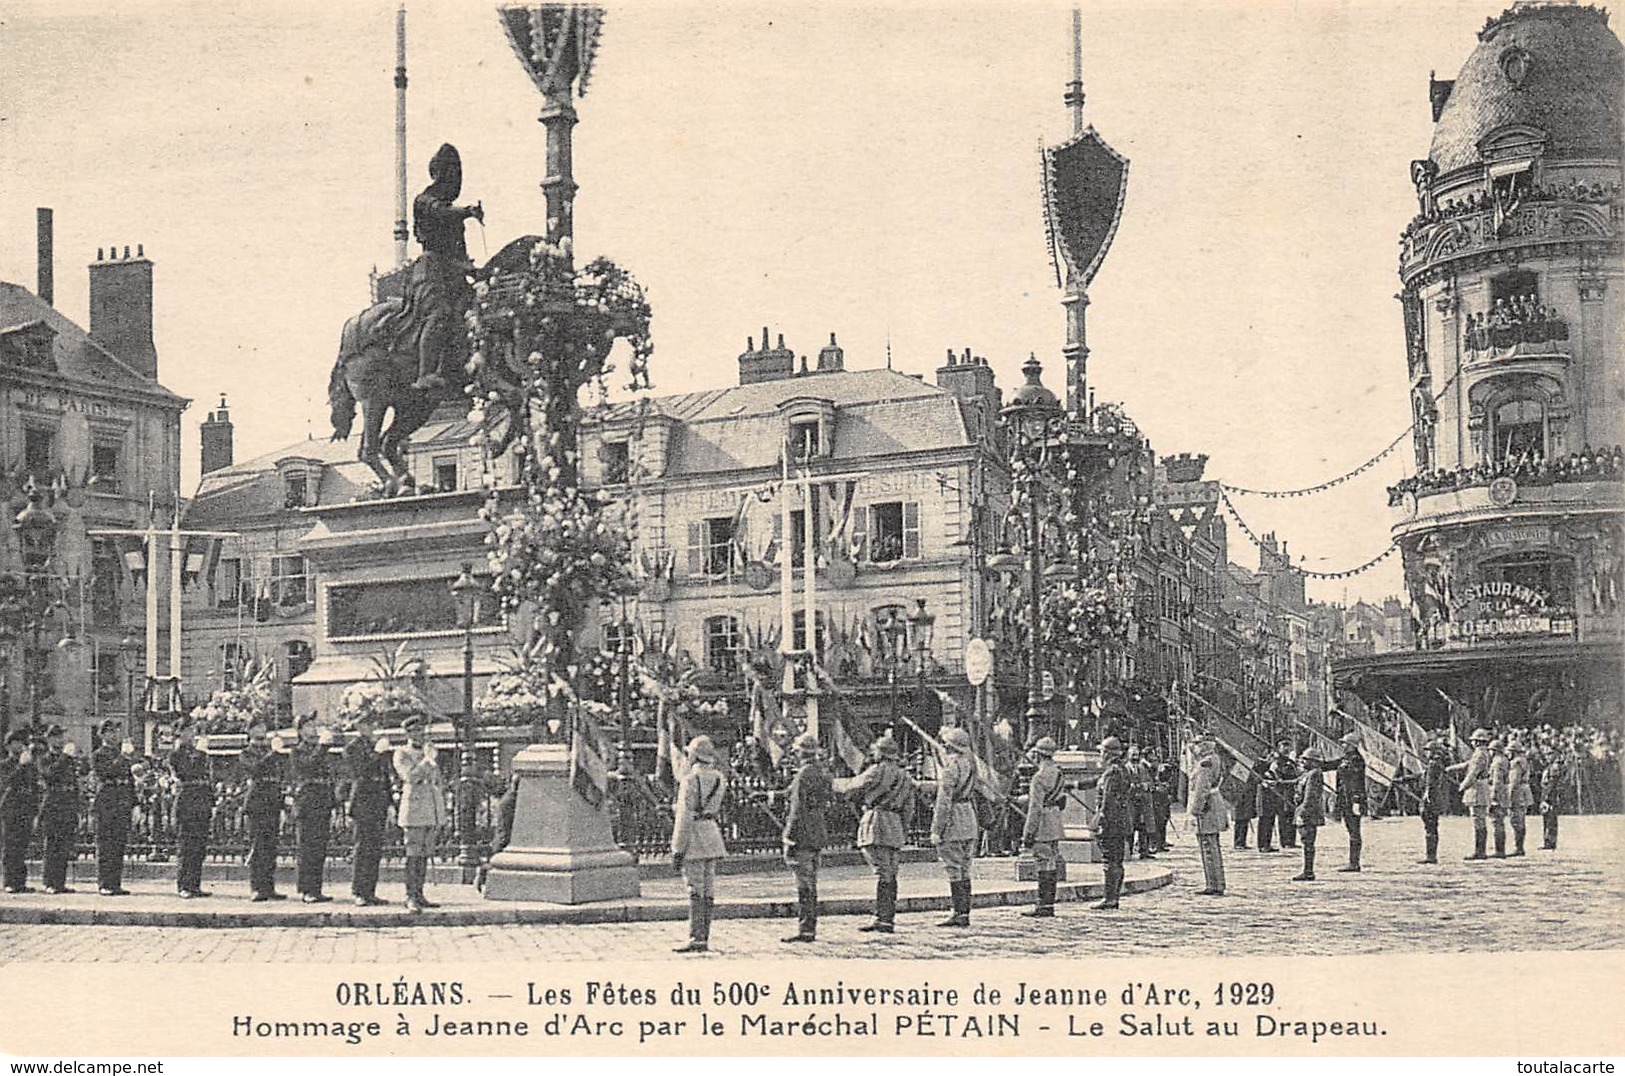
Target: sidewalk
(764,894)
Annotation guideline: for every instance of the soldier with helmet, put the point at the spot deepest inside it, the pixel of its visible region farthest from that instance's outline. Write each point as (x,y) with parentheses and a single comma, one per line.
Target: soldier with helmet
(19,798)
(1500,794)
(1519,795)
(1041,832)
(805,832)
(1309,812)
(59,808)
(1475,790)
(886,792)
(696,838)
(113,802)
(1435,792)
(953,819)
(194,810)
(1113,822)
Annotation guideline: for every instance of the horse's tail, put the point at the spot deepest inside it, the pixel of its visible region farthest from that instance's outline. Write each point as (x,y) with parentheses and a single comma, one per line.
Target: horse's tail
(339,397)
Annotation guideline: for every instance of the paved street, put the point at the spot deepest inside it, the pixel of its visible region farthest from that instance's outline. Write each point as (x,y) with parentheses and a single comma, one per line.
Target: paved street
(1571,899)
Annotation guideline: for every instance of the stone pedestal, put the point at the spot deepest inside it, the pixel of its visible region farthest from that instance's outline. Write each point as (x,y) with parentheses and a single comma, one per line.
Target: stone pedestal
(1081,768)
(562,850)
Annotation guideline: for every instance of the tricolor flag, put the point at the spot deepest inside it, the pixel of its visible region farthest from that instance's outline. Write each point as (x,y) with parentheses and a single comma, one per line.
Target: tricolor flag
(133,554)
(202,557)
(589,774)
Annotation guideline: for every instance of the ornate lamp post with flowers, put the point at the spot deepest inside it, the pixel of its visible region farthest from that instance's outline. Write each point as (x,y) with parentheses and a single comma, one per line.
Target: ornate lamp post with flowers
(468,593)
(921,627)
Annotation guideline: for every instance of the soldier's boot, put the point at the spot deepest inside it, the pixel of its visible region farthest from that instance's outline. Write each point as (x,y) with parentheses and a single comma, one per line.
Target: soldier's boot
(1519,833)
(413,903)
(1432,842)
(1308,872)
(1353,865)
(1500,842)
(807,913)
(885,908)
(1480,841)
(1045,908)
(1114,888)
(698,928)
(960,897)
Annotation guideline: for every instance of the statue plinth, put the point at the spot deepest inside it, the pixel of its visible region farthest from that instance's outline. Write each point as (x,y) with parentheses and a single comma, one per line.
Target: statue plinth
(562,850)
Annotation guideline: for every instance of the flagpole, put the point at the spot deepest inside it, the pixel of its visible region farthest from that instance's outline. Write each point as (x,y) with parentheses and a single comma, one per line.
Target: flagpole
(177,565)
(810,557)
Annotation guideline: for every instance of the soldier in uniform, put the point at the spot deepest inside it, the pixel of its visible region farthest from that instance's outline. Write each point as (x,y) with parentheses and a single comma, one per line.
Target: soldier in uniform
(1553,785)
(1245,809)
(1139,775)
(367,765)
(422,810)
(1351,805)
(805,831)
(59,808)
(696,839)
(1435,793)
(260,773)
(1500,795)
(1041,833)
(886,790)
(1284,770)
(1309,810)
(310,774)
(1520,797)
(1475,790)
(19,798)
(1207,807)
(1113,821)
(1163,779)
(953,819)
(113,802)
(1273,801)
(194,810)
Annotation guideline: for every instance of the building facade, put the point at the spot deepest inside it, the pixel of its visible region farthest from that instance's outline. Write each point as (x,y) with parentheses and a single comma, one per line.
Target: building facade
(1511,531)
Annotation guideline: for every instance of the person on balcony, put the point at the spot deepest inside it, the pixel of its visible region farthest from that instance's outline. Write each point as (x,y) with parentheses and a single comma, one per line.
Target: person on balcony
(953,820)
(422,809)
(886,791)
(696,839)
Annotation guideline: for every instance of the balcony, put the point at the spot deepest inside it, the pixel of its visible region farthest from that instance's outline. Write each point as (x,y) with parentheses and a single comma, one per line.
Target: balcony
(1569,484)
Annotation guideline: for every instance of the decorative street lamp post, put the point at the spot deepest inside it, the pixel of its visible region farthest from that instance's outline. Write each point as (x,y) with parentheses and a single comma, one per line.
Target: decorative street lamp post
(623,643)
(36,531)
(920,625)
(893,630)
(1033,418)
(468,593)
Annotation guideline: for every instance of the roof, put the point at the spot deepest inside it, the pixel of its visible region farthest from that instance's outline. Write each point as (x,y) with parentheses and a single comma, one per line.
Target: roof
(77,356)
(1555,67)
(253,487)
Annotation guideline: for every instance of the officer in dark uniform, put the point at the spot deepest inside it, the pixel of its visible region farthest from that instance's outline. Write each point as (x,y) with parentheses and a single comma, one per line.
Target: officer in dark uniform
(1139,776)
(1113,821)
(1283,773)
(1554,783)
(806,831)
(59,808)
(19,798)
(1163,780)
(260,772)
(194,810)
(1351,805)
(113,802)
(1435,793)
(310,772)
(370,775)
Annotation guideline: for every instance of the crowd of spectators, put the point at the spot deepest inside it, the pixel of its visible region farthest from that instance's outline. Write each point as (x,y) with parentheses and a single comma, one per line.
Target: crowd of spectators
(1519,319)
(1586,465)
(1589,193)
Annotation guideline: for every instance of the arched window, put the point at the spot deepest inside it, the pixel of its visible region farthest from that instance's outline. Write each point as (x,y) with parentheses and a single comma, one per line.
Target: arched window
(722,643)
(1519,431)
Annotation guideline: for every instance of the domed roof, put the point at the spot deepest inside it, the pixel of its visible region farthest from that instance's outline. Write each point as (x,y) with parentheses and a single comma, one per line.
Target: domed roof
(1555,67)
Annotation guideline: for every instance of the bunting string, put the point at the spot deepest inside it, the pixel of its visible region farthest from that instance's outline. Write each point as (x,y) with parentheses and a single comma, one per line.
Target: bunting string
(1253,538)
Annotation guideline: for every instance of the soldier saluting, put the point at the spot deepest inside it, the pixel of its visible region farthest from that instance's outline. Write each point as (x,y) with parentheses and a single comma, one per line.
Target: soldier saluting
(260,774)
(115,798)
(310,774)
(194,810)
(59,808)
(370,770)
(886,790)
(1475,790)
(1041,832)
(19,797)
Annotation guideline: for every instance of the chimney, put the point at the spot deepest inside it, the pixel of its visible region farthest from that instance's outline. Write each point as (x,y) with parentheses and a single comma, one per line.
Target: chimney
(831,359)
(121,309)
(765,363)
(217,430)
(47,257)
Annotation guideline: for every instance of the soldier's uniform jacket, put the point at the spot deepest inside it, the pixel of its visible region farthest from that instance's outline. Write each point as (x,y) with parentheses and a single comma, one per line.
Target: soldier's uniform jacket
(368,771)
(1500,790)
(1475,785)
(115,782)
(696,834)
(1436,781)
(1269,800)
(810,794)
(953,817)
(1112,816)
(260,775)
(59,783)
(1553,786)
(1045,797)
(1206,804)
(194,799)
(19,788)
(310,773)
(1518,782)
(1310,798)
(885,789)
(423,801)
(1350,783)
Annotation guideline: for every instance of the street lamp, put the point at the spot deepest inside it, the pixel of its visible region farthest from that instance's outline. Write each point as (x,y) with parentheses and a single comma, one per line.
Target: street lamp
(468,593)
(892,627)
(623,643)
(36,531)
(1033,418)
(128,648)
(920,625)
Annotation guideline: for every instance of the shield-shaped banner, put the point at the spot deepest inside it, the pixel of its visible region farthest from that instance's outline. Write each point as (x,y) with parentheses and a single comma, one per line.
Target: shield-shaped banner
(1085,182)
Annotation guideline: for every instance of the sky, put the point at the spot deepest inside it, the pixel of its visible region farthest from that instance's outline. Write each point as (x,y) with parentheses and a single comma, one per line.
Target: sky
(870,170)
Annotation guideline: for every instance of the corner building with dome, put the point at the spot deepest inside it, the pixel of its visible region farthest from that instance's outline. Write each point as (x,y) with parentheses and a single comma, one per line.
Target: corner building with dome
(1510,530)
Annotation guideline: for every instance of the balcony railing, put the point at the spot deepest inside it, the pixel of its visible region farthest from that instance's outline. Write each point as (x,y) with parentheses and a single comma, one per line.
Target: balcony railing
(1600,465)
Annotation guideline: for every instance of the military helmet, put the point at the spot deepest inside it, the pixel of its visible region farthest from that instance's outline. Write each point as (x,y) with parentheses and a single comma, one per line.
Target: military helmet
(886,747)
(1481,736)
(956,740)
(1111,745)
(1045,746)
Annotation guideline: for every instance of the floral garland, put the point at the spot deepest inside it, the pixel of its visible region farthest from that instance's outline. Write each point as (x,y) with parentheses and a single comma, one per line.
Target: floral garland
(233,709)
(388,695)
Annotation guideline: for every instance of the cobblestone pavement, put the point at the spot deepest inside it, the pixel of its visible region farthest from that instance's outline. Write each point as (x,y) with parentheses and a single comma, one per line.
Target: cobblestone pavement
(1573,898)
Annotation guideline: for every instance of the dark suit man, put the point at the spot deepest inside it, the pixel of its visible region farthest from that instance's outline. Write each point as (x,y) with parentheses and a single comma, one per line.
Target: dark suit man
(19,799)
(59,808)
(370,777)
(260,773)
(1435,793)
(1351,804)
(113,802)
(806,832)
(194,811)
(310,776)
(1553,793)
(1114,818)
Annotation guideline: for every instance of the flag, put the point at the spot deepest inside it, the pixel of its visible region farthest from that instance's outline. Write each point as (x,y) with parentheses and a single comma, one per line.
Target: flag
(1416,738)
(1325,746)
(589,774)
(202,557)
(133,555)
(846,747)
(1459,715)
(1384,759)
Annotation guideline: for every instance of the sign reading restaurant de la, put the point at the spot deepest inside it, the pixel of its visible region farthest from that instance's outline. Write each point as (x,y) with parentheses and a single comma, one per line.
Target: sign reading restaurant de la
(1502,610)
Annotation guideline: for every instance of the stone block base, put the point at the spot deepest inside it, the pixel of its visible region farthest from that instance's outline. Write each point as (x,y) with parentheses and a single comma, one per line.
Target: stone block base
(1080,851)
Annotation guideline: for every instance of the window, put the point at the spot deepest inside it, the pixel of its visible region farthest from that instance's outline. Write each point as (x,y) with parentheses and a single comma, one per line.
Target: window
(228,582)
(804,438)
(1519,431)
(617,459)
(722,644)
(289,581)
(297,657)
(711,546)
(445,474)
(294,490)
(617,635)
(232,659)
(39,446)
(798,637)
(104,467)
(893,531)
